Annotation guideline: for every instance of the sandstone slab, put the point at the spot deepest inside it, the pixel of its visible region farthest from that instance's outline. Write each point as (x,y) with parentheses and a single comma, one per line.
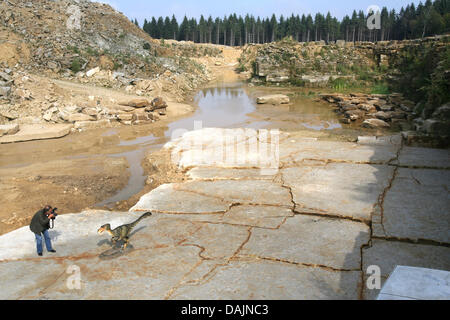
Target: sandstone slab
(261,280)
(273,99)
(167,198)
(136,103)
(424,157)
(215,173)
(417,205)
(340,189)
(311,240)
(300,150)
(212,196)
(257,216)
(163,250)
(38,132)
(230,148)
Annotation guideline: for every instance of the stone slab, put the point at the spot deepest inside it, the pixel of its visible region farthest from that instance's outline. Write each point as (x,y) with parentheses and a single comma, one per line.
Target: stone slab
(268,280)
(257,216)
(164,250)
(8,129)
(416,283)
(273,99)
(312,240)
(424,157)
(37,132)
(417,205)
(215,173)
(299,150)
(340,189)
(388,254)
(228,148)
(212,196)
(167,198)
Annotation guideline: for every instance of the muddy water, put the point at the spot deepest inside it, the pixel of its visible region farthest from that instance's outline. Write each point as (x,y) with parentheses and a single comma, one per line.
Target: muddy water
(222,105)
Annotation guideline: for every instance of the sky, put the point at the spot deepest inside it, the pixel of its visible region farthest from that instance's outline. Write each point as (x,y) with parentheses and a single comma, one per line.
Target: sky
(145,9)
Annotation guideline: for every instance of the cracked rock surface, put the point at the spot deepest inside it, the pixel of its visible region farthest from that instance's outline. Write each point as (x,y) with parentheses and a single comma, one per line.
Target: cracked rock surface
(308,228)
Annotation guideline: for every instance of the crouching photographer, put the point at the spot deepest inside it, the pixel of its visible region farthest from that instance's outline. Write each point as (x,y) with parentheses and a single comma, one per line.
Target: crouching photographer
(40,223)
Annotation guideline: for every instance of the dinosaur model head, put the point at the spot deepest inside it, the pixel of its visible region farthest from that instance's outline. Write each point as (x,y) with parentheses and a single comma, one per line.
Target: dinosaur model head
(103,228)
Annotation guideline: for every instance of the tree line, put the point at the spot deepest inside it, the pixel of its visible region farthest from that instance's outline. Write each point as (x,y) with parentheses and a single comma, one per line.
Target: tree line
(411,22)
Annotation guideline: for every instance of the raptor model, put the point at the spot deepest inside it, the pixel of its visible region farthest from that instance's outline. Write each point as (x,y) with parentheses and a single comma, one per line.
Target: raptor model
(122,232)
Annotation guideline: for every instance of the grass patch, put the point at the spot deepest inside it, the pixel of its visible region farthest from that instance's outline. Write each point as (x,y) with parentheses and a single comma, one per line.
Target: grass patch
(76,65)
(380,88)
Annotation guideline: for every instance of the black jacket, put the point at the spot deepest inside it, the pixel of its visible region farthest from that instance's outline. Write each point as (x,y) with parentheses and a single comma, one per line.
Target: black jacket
(39,222)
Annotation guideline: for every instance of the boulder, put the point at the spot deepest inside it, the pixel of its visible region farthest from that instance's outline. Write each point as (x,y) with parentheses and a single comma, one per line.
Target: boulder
(354,114)
(91,72)
(273,99)
(385,108)
(75,117)
(436,127)
(37,132)
(125,116)
(5,77)
(375,123)
(442,113)
(9,129)
(136,103)
(158,103)
(366,107)
(141,116)
(5,91)
(9,114)
(385,116)
(48,115)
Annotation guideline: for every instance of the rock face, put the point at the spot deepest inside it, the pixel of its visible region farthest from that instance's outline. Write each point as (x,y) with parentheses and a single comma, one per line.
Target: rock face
(310,229)
(273,99)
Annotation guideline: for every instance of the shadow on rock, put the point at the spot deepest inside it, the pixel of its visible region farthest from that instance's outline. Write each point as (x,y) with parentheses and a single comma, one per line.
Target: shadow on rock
(115,252)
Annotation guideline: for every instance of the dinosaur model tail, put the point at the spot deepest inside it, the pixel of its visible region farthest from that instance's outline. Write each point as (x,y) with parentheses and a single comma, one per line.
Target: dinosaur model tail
(145,215)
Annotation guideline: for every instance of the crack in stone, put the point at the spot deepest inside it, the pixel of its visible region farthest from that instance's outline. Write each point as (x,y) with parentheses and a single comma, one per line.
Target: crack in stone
(208,275)
(304,264)
(381,197)
(413,241)
(225,201)
(319,213)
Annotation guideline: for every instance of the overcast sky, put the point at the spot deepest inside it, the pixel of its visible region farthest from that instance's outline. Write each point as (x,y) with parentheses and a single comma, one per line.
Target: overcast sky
(142,9)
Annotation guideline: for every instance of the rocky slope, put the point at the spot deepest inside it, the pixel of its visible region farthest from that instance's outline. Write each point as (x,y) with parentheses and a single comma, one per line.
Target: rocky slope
(91,44)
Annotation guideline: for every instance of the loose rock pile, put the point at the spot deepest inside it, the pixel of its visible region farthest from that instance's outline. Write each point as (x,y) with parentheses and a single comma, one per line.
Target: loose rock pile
(372,110)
